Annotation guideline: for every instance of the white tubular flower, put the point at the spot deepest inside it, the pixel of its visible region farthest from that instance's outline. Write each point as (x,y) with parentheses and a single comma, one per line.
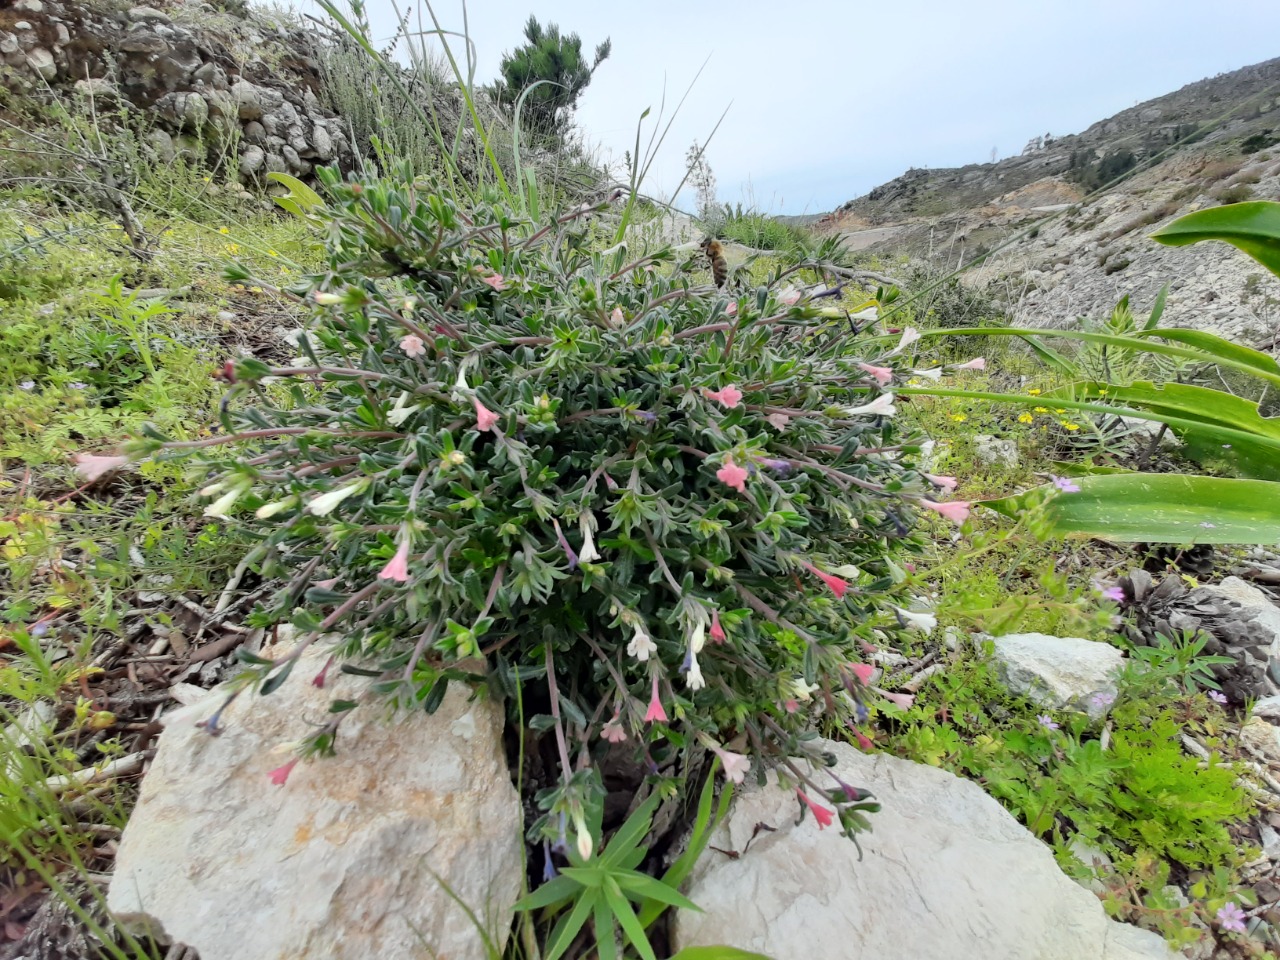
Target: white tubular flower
(924,622)
(881,406)
(268,510)
(588,553)
(400,413)
(219,507)
(323,505)
(641,645)
(693,679)
(934,374)
(698,638)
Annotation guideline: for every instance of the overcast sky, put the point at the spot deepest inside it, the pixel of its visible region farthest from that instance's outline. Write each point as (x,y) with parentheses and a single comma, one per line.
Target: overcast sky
(827,100)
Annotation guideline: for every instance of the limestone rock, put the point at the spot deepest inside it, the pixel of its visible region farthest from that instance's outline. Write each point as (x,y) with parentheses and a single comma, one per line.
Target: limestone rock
(148,15)
(341,861)
(162,144)
(1059,672)
(251,160)
(40,61)
(28,6)
(99,88)
(995,450)
(947,872)
(248,99)
(1262,739)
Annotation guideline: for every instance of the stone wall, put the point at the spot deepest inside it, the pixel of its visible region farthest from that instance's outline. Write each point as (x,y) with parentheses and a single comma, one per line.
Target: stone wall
(207,81)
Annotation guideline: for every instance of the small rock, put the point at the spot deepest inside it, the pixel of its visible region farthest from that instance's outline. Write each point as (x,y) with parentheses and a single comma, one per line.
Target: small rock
(147,43)
(1268,708)
(248,99)
(99,88)
(995,450)
(1262,738)
(321,142)
(148,15)
(1254,601)
(162,145)
(255,133)
(226,316)
(1068,673)
(28,6)
(1270,841)
(348,850)
(252,159)
(41,62)
(195,111)
(1096,860)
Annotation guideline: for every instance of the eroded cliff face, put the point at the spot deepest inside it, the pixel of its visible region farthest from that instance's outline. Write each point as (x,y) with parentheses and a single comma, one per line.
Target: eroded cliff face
(204,82)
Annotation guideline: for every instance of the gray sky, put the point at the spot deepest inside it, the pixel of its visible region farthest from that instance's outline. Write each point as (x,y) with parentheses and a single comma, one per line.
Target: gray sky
(831,99)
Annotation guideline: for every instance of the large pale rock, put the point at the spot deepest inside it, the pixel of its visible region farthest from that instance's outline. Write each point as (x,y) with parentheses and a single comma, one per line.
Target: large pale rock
(342,861)
(947,872)
(995,450)
(1060,673)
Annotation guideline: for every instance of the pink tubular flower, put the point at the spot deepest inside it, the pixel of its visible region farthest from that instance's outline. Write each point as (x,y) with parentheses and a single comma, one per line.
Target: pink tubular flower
(821,814)
(91,467)
(732,309)
(736,765)
(977,363)
(729,396)
(319,679)
(732,475)
(957,511)
(613,732)
(864,742)
(863,672)
(716,633)
(397,567)
(655,711)
(495,280)
(789,296)
(617,318)
(485,418)
(944,483)
(413,346)
(903,701)
(836,585)
(1114,593)
(883,375)
(281,774)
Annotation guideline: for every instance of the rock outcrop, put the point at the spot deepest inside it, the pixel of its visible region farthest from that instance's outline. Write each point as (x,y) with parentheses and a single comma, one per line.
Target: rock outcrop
(946,872)
(204,81)
(1059,673)
(355,856)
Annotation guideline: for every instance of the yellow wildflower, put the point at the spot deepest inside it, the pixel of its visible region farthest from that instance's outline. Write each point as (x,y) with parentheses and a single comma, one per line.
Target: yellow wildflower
(1041,409)
(233,248)
(255,289)
(272,253)
(959,417)
(1071,426)
(223,230)
(1026,418)
(1034,392)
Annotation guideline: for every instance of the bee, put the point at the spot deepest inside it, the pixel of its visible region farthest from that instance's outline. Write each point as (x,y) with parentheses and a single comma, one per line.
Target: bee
(719,266)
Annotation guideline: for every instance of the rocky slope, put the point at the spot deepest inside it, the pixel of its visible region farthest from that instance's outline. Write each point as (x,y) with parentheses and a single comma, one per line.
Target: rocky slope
(1061,249)
(205,80)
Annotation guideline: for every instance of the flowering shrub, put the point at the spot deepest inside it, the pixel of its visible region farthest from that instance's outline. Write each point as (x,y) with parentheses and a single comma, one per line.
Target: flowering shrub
(634,505)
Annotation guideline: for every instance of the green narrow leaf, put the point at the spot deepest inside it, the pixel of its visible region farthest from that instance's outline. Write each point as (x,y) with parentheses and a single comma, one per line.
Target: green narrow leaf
(1157,508)
(302,198)
(606,946)
(646,886)
(1217,347)
(553,892)
(630,923)
(1157,311)
(562,935)
(629,835)
(717,953)
(1252,227)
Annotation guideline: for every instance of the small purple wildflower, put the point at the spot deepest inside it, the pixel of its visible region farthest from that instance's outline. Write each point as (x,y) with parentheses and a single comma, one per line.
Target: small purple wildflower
(781,467)
(1217,696)
(549,871)
(861,713)
(27,385)
(688,660)
(647,416)
(1066,485)
(1103,699)
(1232,918)
(210,724)
(39,629)
(1114,593)
(1047,722)
(78,385)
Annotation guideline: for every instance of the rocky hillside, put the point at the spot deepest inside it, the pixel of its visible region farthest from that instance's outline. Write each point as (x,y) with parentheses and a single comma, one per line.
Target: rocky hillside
(1210,142)
(204,81)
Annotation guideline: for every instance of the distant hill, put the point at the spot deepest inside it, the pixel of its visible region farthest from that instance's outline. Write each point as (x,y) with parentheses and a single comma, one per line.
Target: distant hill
(1221,135)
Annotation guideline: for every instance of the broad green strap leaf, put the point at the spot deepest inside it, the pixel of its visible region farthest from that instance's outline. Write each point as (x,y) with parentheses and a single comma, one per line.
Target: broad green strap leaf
(1142,343)
(1229,434)
(630,923)
(1157,508)
(1052,359)
(1222,349)
(717,953)
(1251,227)
(606,945)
